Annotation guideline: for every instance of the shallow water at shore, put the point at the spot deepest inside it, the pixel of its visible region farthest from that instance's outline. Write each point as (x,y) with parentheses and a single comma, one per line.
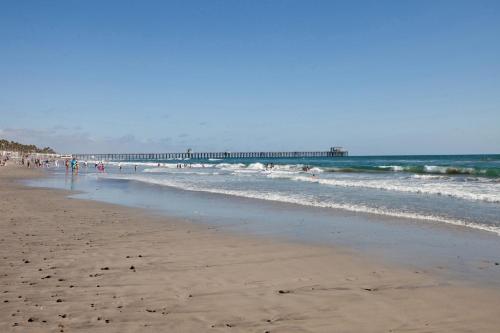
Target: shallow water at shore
(456,251)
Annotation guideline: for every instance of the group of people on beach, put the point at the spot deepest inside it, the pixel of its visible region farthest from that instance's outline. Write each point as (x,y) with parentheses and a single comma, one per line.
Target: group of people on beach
(73,164)
(29,160)
(35,162)
(3,160)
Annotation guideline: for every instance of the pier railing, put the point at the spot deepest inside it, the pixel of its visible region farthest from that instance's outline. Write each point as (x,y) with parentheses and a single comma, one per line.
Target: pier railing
(209,155)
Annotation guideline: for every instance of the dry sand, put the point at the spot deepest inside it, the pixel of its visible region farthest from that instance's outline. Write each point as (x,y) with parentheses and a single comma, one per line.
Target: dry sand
(73,265)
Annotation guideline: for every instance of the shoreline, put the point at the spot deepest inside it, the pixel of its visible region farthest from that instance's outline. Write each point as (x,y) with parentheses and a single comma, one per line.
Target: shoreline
(90,266)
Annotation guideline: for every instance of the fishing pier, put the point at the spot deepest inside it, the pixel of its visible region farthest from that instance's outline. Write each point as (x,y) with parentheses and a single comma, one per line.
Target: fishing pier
(333,152)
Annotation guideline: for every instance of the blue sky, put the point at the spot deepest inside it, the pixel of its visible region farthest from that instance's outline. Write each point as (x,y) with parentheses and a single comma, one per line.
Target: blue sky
(378,77)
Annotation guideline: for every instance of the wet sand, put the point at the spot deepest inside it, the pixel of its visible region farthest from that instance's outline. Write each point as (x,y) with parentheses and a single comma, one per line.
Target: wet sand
(73,265)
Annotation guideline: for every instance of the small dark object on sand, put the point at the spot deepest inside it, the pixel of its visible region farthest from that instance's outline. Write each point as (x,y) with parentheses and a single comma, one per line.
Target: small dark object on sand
(59,300)
(132,267)
(283,291)
(104,268)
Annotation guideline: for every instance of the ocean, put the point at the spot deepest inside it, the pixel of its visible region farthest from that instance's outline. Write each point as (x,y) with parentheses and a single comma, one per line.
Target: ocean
(460,190)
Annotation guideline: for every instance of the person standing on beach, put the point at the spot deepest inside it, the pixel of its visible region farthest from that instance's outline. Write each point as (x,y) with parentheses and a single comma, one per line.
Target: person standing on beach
(74,164)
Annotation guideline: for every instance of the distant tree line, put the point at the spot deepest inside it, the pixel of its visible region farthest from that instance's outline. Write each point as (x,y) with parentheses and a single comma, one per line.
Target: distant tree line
(16,146)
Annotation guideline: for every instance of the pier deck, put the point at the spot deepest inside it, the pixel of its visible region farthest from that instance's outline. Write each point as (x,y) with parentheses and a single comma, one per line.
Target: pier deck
(334,152)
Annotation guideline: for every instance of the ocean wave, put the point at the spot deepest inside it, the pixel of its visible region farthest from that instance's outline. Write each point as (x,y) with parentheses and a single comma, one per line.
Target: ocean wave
(448,170)
(439,169)
(444,189)
(309,201)
(166,167)
(417,169)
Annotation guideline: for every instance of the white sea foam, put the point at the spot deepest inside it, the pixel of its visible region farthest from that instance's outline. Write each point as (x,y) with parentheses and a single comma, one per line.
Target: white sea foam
(240,167)
(230,166)
(179,171)
(305,200)
(447,170)
(429,177)
(315,170)
(256,166)
(489,193)
(392,167)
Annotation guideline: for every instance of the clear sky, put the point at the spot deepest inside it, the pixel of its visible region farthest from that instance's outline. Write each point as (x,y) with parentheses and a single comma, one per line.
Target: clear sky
(377,77)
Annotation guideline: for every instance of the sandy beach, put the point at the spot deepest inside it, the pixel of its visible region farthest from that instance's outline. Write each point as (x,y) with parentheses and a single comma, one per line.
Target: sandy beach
(70,265)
